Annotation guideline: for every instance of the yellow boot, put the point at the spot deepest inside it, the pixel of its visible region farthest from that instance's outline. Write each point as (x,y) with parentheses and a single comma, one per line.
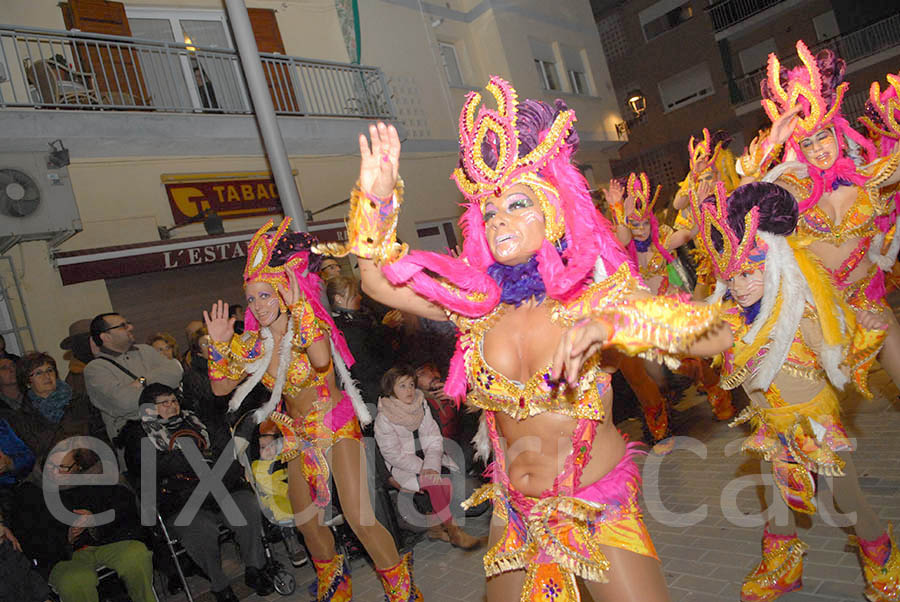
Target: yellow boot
(780,571)
(332,580)
(881,567)
(397,582)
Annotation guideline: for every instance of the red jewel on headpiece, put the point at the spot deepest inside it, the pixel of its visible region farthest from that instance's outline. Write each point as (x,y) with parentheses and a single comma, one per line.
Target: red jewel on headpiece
(497,192)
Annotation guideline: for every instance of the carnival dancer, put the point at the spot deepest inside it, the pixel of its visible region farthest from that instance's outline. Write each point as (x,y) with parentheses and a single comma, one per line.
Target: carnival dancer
(882,116)
(845,208)
(795,343)
(645,241)
(291,345)
(710,162)
(531,323)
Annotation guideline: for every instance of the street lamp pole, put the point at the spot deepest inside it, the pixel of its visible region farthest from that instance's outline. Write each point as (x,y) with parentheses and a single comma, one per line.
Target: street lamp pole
(265,113)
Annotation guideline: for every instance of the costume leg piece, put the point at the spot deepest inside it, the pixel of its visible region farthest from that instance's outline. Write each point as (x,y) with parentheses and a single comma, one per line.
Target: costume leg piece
(881,567)
(397,582)
(780,571)
(333,580)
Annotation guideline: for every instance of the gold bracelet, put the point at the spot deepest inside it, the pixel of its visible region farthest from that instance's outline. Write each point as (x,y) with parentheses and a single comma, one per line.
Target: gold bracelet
(371,228)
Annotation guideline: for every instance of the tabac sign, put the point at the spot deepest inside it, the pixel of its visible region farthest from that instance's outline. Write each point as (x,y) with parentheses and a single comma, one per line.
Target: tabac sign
(231,195)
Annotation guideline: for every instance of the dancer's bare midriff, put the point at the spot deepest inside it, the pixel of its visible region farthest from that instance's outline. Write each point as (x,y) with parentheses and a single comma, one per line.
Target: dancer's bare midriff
(520,344)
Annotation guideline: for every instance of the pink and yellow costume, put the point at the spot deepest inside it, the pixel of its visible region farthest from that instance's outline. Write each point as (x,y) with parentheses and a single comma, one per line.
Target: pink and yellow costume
(804,337)
(872,219)
(556,536)
(249,354)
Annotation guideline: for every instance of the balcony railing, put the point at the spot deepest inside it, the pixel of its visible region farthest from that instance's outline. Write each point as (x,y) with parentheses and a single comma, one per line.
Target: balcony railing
(726,13)
(71,70)
(851,47)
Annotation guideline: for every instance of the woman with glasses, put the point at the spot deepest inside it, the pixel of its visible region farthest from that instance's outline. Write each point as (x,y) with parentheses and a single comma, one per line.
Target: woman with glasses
(63,412)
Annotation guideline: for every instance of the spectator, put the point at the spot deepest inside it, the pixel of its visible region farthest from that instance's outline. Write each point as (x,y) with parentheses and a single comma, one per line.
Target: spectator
(163,422)
(329,268)
(198,394)
(3,350)
(70,552)
(443,408)
(189,329)
(11,394)
(78,353)
(270,475)
(413,450)
(121,369)
(165,344)
(16,462)
(20,581)
(52,397)
(369,342)
(236,311)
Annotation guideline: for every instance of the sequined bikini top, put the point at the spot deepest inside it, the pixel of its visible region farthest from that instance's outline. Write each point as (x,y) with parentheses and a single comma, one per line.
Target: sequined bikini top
(491,390)
(300,373)
(656,265)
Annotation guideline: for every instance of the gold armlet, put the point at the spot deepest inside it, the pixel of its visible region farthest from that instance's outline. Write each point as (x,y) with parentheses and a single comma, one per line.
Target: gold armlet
(757,164)
(223,362)
(306,326)
(618,211)
(672,326)
(864,347)
(371,228)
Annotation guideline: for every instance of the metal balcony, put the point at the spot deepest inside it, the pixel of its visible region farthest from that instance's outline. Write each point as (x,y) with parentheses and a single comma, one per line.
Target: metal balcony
(48,69)
(726,13)
(851,47)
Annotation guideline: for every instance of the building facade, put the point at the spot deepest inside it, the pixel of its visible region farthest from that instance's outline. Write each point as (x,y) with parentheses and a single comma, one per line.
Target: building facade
(699,64)
(149,101)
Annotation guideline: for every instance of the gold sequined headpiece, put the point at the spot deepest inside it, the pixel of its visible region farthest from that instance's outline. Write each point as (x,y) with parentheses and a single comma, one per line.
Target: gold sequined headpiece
(735,252)
(803,86)
(886,105)
(259,253)
(638,186)
(478,181)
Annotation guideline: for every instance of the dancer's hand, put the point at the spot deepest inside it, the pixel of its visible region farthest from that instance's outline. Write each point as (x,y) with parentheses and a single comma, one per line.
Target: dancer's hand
(615,193)
(219,326)
(871,321)
(705,190)
(576,345)
(291,294)
(783,127)
(379,163)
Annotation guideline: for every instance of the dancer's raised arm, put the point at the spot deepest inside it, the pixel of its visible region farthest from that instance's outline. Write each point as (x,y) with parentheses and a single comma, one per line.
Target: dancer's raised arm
(373,221)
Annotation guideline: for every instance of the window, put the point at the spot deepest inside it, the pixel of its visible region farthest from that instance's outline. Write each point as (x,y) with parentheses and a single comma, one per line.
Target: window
(756,56)
(826,26)
(612,36)
(686,87)
(545,62)
(663,16)
(575,71)
(451,63)
(211,81)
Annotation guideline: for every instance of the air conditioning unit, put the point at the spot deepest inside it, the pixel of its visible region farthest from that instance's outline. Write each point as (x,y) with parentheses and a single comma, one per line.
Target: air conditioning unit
(36,201)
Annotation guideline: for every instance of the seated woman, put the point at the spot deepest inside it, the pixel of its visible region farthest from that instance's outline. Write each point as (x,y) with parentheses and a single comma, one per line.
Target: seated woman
(413,449)
(167,427)
(63,413)
(796,342)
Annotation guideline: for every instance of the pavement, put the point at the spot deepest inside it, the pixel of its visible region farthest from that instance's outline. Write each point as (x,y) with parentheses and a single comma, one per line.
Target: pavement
(702,505)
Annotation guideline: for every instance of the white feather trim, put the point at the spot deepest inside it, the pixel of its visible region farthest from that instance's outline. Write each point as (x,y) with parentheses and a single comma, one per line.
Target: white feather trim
(887,260)
(782,273)
(349,385)
(255,369)
(779,170)
(482,440)
(718,293)
(284,363)
(600,273)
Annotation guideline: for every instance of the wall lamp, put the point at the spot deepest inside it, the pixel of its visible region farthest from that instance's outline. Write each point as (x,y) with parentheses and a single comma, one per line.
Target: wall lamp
(212,222)
(637,102)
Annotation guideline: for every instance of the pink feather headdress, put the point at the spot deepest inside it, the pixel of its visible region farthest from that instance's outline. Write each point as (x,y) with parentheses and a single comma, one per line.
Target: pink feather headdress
(564,197)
